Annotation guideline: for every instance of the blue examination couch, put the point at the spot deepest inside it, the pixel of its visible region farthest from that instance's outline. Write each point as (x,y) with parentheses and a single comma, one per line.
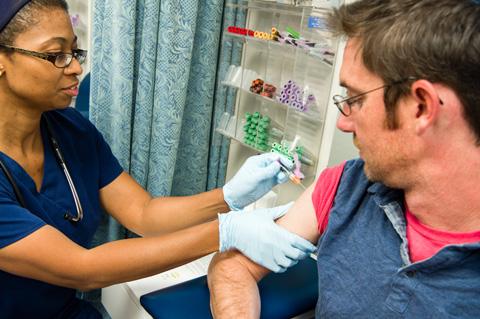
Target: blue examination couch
(283,295)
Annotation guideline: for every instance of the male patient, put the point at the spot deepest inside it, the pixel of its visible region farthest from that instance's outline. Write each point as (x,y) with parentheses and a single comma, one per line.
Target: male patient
(398,230)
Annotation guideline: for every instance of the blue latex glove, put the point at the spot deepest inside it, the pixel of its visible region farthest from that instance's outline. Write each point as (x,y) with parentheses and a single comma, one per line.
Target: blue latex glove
(257,236)
(258,175)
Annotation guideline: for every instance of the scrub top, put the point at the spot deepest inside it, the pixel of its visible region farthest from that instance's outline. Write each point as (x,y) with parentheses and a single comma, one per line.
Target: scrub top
(92,166)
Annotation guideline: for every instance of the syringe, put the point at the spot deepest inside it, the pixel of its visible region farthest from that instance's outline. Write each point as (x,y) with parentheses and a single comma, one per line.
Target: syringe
(291,176)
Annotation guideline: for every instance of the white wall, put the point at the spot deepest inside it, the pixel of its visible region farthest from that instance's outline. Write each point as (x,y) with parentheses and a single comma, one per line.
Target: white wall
(342,148)
(81,20)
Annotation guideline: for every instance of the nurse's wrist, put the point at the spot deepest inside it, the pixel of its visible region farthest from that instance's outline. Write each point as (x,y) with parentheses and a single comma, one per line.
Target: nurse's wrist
(223,204)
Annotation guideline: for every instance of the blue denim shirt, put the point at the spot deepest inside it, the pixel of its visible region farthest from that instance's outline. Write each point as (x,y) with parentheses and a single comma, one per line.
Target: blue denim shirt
(364,268)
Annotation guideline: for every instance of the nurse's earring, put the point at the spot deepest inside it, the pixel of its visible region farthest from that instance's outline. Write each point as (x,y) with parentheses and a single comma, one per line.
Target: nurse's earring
(1,71)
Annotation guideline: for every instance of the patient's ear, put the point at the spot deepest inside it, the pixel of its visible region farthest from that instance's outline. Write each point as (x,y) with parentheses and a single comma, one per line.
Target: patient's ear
(428,104)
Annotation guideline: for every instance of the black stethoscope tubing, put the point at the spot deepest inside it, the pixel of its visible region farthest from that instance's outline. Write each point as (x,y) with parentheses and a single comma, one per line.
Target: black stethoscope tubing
(63,165)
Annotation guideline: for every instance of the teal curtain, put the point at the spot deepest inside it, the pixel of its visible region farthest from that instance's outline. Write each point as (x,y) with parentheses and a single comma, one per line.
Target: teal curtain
(230,53)
(154,94)
(153,75)
(152,86)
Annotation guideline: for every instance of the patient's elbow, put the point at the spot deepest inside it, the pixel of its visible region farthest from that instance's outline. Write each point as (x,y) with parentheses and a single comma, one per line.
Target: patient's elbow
(232,264)
(221,264)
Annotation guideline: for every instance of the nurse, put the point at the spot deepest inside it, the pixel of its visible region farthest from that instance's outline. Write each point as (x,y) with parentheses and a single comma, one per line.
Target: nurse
(58,175)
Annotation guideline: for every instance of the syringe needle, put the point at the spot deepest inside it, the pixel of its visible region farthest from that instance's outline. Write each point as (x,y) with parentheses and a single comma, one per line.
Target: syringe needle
(291,176)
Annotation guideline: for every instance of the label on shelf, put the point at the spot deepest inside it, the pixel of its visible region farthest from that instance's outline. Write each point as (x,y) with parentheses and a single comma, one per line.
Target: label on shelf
(316,22)
(319,3)
(325,3)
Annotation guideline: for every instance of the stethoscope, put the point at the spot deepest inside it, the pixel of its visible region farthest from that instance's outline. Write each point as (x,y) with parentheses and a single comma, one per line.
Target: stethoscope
(63,165)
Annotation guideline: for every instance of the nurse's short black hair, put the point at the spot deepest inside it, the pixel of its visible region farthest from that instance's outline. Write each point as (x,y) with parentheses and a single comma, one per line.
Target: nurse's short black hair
(27,18)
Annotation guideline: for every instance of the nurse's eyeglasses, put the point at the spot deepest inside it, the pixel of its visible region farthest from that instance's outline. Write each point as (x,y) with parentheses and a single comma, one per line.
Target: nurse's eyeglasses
(60,60)
(63,165)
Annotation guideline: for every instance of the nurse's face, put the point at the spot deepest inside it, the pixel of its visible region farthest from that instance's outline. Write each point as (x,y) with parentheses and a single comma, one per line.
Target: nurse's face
(33,83)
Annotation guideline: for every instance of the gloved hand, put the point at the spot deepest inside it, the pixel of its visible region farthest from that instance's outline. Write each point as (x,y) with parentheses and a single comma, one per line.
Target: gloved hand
(258,175)
(257,236)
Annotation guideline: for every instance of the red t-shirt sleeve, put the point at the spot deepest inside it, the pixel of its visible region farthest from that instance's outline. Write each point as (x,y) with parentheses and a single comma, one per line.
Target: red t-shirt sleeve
(324,194)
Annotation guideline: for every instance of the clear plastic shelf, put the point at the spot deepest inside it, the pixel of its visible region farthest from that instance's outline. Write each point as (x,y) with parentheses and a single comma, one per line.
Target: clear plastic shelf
(226,127)
(323,58)
(311,115)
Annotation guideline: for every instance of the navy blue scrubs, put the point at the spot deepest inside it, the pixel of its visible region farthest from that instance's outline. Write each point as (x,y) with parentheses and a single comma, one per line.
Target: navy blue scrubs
(92,166)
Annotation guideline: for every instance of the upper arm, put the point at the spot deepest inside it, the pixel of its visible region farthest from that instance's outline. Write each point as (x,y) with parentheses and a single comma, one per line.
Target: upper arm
(309,216)
(124,199)
(232,277)
(300,218)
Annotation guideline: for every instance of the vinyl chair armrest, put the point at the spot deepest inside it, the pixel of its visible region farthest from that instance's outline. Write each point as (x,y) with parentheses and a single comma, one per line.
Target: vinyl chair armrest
(283,295)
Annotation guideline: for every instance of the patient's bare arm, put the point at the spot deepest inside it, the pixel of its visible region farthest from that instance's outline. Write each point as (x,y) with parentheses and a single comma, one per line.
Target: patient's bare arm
(232,277)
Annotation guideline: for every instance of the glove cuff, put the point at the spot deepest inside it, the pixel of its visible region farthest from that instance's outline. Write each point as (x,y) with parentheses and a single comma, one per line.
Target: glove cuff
(223,233)
(229,199)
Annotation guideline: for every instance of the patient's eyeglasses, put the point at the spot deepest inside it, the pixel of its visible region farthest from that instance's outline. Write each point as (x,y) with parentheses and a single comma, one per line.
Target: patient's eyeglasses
(345,104)
(60,60)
